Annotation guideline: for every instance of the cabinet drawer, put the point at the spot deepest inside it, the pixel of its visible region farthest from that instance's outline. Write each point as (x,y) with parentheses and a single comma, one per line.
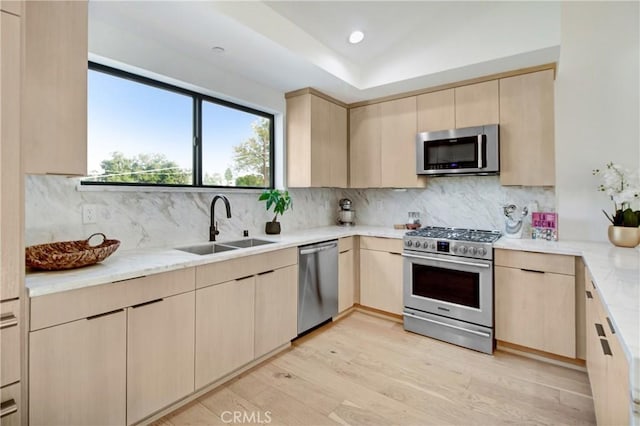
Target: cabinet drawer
(392,245)
(345,244)
(10,402)
(229,270)
(10,340)
(66,306)
(557,263)
(11,6)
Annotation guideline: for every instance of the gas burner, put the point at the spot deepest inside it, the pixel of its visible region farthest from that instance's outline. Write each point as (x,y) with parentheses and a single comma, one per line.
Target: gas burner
(475,243)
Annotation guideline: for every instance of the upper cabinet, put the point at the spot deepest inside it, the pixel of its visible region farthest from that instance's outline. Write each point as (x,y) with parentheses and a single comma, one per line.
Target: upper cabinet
(527,154)
(54,131)
(364,145)
(477,104)
(316,142)
(436,111)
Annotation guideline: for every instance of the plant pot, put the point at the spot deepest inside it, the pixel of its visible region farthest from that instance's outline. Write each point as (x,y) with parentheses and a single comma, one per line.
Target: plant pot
(623,236)
(272,228)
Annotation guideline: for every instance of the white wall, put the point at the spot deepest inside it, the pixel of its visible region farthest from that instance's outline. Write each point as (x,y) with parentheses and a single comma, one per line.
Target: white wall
(597,109)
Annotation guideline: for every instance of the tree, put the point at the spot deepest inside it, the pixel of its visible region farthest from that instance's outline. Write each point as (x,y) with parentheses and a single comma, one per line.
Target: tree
(228,176)
(143,168)
(250,180)
(251,157)
(212,179)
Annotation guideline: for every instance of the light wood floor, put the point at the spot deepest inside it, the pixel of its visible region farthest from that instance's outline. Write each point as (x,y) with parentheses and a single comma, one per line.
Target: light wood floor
(364,370)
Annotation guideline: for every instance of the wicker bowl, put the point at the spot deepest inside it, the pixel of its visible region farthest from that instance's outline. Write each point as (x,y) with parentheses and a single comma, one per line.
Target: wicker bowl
(69,254)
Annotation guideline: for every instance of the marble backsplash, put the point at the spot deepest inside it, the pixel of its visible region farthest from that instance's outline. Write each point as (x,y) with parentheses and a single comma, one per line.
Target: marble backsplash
(462,202)
(53,210)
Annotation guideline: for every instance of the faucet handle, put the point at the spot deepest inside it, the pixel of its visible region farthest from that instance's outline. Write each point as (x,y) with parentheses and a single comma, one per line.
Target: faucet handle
(215,227)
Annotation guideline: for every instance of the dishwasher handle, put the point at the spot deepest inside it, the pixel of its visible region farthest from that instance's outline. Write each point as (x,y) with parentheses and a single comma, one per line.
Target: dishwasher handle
(318,248)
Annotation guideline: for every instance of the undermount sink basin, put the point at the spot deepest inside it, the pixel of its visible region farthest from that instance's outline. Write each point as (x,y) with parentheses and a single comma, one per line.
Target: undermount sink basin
(211,248)
(249,242)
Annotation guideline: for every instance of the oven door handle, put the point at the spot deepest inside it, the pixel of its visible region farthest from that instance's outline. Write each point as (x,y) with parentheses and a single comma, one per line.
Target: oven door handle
(457,262)
(478,333)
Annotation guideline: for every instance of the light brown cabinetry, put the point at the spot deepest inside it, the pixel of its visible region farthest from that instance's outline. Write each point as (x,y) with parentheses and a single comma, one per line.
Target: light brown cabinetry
(160,354)
(276,313)
(535,301)
(527,154)
(364,147)
(11,215)
(316,142)
(54,106)
(436,111)
(607,363)
(381,274)
(77,372)
(346,273)
(224,328)
(477,104)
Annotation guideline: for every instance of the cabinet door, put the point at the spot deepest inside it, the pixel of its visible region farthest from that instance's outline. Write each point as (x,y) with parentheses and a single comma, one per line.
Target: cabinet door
(10,342)
(618,388)
(436,111)
(398,144)
(10,401)
(527,130)
(536,310)
(364,146)
(11,198)
(596,359)
(160,351)
(381,280)
(224,329)
(276,317)
(346,280)
(477,104)
(328,144)
(77,372)
(55,88)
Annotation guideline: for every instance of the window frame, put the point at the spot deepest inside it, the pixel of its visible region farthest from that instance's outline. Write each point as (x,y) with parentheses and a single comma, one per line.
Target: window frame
(196,134)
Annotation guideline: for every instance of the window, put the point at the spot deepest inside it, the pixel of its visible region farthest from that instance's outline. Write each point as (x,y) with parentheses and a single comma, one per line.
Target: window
(145,132)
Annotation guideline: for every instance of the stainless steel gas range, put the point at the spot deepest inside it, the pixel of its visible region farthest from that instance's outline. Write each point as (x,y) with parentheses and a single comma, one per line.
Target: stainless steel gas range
(448,285)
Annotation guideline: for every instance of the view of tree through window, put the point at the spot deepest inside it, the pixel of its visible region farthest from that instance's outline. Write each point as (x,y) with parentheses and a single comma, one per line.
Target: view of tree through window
(143,132)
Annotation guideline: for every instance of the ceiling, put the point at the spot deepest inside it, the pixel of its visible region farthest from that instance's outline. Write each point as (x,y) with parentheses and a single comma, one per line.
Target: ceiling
(287,45)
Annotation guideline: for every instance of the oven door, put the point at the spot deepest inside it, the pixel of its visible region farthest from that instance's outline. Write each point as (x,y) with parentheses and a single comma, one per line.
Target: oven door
(449,286)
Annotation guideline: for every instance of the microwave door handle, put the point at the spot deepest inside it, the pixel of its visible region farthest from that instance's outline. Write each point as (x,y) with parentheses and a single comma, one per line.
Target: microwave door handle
(480,163)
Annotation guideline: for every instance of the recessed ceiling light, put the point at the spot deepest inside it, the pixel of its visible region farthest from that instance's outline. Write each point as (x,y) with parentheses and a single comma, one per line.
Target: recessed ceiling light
(356,37)
(217,49)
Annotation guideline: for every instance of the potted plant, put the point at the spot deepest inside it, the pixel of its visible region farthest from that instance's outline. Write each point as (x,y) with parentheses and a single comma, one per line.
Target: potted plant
(281,202)
(623,188)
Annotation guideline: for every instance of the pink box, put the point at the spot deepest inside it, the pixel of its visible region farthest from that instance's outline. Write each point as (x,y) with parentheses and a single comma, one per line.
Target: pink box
(544,226)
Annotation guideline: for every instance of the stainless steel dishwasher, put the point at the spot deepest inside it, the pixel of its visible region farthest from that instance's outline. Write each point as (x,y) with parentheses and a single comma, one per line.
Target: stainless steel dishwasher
(317,284)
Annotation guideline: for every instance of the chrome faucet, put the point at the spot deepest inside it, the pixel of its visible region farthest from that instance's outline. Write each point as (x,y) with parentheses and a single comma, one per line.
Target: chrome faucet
(213,228)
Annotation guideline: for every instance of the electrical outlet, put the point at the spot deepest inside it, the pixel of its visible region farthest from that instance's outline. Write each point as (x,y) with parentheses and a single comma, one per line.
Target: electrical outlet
(89,214)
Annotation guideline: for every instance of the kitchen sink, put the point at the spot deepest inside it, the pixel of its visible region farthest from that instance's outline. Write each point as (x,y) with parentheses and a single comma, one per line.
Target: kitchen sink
(249,242)
(210,248)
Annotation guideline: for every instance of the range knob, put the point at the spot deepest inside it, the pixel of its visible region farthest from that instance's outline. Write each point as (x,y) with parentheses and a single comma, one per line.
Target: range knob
(432,245)
(462,249)
(472,251)
(482,251)
(409,243)
(416,244)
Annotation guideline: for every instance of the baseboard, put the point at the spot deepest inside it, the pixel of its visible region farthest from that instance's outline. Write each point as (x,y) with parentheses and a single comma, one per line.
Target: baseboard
(573,363)
(378,313)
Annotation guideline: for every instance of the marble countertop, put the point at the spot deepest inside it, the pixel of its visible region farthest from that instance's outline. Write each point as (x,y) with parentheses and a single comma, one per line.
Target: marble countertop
(616,272)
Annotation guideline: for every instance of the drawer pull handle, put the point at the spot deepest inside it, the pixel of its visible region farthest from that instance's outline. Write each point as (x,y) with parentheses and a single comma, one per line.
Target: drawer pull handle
(266,272)
(395,254)
(8,320)
(592,284)
(605,347)
(613,331)
(532,270)
(8,407)
(92,317)
(600,330)
(244,278)
(151,302)
(589,295)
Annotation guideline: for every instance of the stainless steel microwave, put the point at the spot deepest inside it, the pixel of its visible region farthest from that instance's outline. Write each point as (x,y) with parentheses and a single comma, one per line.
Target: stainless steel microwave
(471,150)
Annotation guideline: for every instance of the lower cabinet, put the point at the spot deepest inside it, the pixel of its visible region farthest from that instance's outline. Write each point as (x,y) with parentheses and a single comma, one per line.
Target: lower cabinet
(224,329)
(381,274)
(606,363)
(276,313)
(160,354)
(535,301)
(78,372)
(346,274)
(10,401)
